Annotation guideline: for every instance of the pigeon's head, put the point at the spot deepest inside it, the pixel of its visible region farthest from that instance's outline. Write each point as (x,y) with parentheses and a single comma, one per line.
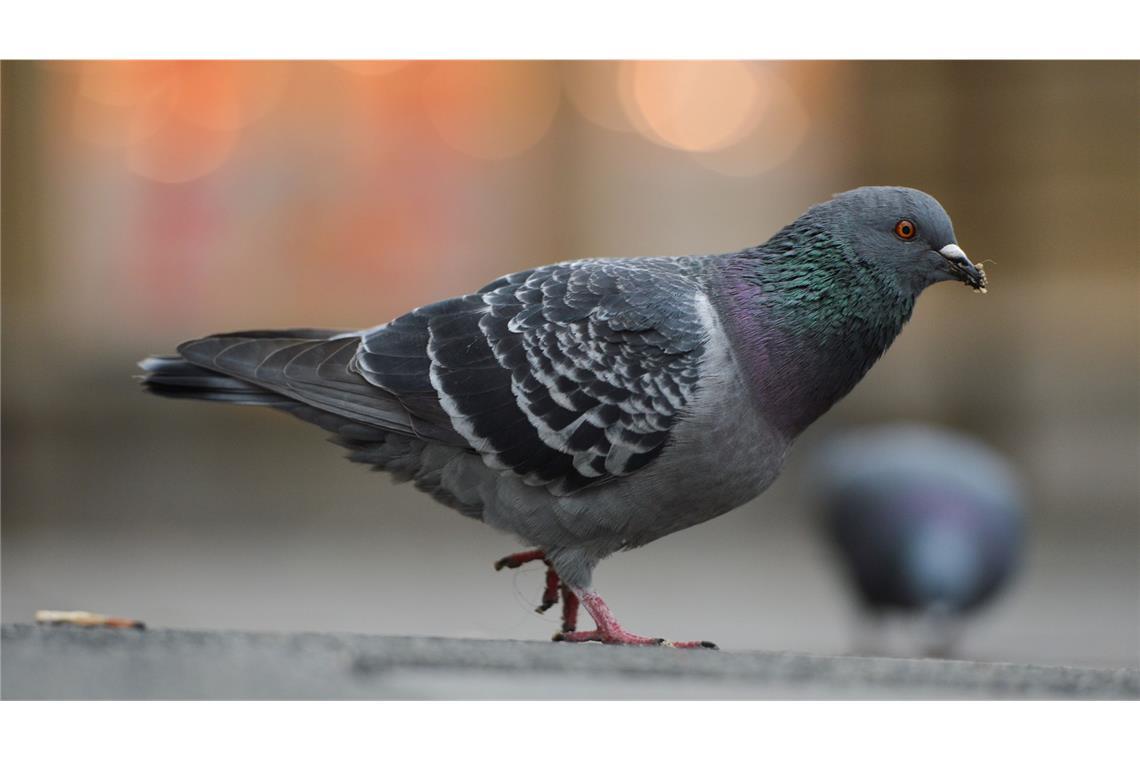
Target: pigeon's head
(904,233)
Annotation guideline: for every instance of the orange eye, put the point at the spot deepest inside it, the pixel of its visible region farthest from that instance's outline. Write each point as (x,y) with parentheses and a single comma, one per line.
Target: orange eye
(905,229)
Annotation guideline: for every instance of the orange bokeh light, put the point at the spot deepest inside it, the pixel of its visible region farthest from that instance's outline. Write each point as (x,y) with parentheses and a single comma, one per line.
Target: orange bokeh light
(180,151)
(176,120)
(371,68)
(693,105)
(775,136)
(491,109)
(122,83)
(226,95)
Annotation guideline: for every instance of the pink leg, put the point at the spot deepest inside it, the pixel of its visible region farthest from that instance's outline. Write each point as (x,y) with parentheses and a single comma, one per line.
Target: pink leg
(609,631)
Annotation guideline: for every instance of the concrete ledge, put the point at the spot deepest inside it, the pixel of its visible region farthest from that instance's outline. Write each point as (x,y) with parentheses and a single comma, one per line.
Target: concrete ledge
(47,662)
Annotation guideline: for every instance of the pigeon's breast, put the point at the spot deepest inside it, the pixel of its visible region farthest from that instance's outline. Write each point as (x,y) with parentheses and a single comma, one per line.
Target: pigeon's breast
(724,452)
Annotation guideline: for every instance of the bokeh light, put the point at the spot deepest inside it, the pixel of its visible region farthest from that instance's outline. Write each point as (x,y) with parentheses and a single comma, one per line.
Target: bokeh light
(696,105)
(492,109)
(778,131)
(176,120)
(371,68)
(593,88)
(122,83)
(225,95)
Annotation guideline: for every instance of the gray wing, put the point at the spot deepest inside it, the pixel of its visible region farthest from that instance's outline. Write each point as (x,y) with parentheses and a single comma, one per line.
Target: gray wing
(568,375)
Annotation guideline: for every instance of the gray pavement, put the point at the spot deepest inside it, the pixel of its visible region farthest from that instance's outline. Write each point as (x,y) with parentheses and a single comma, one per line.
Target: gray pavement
(48,662)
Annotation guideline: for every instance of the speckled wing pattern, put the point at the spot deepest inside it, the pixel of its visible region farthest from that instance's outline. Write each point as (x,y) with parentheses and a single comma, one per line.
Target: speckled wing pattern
(568,375)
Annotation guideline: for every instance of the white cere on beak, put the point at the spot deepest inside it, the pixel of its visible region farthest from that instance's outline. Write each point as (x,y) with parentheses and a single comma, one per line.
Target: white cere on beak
(954,253)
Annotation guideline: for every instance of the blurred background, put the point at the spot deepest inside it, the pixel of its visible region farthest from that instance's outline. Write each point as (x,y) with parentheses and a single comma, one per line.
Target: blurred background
(149,202)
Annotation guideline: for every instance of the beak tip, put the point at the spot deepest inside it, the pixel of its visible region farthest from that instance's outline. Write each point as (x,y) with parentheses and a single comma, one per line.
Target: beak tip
(973,275)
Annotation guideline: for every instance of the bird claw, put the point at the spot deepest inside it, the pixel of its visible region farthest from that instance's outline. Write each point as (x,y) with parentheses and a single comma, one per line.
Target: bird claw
(550,593)
(695,645)
(518,559)
(554,586)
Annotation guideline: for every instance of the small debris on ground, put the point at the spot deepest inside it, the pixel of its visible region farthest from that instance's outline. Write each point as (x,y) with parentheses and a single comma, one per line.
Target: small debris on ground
(86,619)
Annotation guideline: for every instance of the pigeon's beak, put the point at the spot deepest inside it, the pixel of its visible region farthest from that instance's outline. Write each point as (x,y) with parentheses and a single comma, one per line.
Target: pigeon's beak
(964,269)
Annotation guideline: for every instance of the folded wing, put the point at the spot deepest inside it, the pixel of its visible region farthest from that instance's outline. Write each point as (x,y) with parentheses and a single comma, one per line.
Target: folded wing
(568,375)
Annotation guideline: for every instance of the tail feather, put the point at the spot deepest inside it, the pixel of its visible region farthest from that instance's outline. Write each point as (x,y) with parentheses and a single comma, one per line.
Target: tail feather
(307,373)
(174,377)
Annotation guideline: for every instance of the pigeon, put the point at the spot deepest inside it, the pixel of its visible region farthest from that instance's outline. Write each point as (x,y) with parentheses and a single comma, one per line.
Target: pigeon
(597,405)
(924,522)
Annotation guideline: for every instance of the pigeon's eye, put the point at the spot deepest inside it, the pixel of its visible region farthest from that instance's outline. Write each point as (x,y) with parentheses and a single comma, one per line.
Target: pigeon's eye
(905,229)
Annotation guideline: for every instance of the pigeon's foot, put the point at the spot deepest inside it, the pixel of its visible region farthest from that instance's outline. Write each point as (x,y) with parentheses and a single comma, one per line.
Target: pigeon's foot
(551,590)
(621,636)
(610,632)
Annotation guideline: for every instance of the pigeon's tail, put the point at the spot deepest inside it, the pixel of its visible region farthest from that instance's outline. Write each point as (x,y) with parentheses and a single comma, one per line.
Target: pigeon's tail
(174,377)
(178,377)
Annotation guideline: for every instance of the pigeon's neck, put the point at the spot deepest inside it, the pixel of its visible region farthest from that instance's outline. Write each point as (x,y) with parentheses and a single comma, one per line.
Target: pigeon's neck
(808,318)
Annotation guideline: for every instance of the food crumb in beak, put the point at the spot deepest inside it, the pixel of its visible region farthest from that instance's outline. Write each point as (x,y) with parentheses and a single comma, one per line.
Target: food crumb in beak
(982,286)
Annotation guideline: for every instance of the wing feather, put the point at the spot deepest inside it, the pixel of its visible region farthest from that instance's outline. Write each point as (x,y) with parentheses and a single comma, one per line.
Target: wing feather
(567,375)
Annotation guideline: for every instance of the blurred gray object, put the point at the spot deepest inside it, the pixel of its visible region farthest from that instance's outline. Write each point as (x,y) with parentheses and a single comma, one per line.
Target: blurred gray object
(925,523)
